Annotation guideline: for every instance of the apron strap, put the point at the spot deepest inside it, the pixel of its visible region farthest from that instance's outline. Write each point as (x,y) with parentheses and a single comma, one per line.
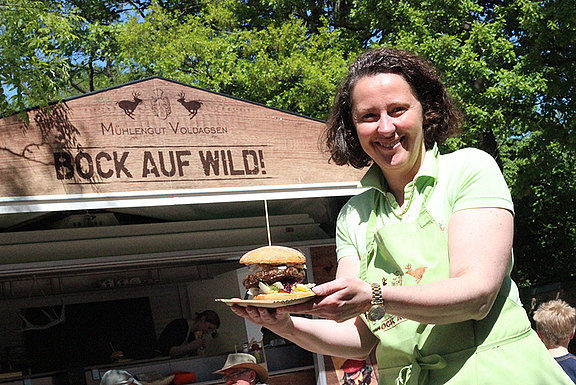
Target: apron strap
(417,372)
(370,232)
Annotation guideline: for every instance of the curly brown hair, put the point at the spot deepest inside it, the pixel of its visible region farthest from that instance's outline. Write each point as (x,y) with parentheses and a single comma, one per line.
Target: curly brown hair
(442,118)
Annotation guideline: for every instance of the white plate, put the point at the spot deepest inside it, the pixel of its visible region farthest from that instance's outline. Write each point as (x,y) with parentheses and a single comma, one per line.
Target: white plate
(264,303)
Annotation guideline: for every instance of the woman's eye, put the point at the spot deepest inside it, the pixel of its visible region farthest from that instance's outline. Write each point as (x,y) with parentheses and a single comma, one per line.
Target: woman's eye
(369,117)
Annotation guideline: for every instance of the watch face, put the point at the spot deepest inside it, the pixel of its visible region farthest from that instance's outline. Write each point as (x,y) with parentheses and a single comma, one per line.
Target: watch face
(376,312)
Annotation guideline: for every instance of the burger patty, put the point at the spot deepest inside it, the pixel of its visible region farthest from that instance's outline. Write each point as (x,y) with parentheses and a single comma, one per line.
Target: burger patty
(274,275)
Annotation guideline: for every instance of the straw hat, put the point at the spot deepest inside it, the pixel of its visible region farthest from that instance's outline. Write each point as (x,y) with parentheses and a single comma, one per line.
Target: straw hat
(118,377)
(243,360)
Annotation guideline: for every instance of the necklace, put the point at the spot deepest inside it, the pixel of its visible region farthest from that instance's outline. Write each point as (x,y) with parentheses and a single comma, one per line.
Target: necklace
(406,206)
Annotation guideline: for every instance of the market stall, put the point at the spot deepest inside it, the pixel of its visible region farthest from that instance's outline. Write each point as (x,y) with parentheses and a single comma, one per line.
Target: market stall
(151,191)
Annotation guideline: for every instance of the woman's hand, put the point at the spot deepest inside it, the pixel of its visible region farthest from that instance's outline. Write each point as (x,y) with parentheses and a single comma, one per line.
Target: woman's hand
(345,339)
(269,318)
(338,300)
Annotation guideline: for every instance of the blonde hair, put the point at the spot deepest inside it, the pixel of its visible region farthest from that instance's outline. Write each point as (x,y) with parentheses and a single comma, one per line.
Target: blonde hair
(555,322)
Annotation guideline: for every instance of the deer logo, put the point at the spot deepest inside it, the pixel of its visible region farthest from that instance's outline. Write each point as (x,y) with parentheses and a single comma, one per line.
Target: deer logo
(192,106)
(128,106)
(418,273)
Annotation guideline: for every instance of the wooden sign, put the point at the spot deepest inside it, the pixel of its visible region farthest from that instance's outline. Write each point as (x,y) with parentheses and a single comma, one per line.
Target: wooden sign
(157,134)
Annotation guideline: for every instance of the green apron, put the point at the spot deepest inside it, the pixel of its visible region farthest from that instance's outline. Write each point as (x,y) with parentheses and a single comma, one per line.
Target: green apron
(500,349)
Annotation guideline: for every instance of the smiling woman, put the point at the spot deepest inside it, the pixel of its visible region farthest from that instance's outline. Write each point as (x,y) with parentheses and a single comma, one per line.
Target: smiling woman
(424,255)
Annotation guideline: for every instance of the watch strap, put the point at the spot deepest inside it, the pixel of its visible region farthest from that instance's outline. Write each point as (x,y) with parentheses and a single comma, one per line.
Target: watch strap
(376,294)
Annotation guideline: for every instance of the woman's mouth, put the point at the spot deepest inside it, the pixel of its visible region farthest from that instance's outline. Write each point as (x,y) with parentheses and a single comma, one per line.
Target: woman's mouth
(388,145)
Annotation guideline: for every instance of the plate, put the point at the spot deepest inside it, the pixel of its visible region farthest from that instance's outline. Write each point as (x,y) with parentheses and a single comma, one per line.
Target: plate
(264,303)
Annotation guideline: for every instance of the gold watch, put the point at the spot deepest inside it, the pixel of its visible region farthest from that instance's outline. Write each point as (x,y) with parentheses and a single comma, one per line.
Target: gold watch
(378,308)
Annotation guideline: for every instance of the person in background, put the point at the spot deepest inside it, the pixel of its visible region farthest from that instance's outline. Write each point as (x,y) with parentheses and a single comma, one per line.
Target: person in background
(182,337)
(242,369)
(425,253)
(118,377)
(555,322)
(356,372)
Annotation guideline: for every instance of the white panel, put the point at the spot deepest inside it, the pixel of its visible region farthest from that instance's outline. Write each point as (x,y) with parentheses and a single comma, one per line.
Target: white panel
(176,197)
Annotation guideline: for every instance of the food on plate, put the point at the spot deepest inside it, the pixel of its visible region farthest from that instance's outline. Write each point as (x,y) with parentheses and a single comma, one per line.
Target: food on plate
(278,273)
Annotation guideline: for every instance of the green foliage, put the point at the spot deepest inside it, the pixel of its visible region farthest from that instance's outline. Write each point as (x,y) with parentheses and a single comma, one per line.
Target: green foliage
(510,64)
(545,182)
(280,65)
(33,36)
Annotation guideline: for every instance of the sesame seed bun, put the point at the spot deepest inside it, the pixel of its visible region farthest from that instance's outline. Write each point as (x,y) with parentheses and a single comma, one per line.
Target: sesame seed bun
(273,255)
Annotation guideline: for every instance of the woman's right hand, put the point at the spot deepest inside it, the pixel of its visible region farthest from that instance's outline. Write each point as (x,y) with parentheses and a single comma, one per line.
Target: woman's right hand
(338,300)
(269,318)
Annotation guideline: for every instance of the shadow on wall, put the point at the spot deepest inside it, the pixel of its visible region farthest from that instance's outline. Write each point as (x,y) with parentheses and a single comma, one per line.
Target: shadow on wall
(51,134)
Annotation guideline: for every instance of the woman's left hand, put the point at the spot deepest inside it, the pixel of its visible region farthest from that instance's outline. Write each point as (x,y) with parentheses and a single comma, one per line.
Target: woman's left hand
(338,300)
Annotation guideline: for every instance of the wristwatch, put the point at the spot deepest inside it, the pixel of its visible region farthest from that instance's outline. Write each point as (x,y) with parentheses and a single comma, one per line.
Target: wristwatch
(378,308)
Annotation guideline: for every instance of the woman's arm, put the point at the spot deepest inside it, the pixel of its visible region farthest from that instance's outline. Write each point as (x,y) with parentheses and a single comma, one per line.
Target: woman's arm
(347,339)
(480,249)
(348,267)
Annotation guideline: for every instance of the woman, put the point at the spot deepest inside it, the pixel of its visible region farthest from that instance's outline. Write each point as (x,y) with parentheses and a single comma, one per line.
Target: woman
(183,337)
(431,243)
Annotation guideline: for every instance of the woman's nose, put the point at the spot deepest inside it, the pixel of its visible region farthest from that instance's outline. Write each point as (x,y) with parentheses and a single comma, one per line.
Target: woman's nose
(386,124)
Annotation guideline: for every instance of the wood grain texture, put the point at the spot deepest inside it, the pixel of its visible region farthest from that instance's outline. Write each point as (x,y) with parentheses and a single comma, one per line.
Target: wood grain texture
(160,135)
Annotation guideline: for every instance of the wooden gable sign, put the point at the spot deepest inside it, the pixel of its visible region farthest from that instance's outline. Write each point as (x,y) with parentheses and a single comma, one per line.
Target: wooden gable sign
(160,135)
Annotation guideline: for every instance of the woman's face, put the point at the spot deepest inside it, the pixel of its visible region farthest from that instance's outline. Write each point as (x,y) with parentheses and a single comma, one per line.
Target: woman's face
(388,119)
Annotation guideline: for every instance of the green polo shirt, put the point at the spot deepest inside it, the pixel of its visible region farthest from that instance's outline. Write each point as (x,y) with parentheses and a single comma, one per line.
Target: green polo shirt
(464,179)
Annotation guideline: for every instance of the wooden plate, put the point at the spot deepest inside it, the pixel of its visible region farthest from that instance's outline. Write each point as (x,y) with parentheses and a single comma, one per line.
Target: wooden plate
(264,303)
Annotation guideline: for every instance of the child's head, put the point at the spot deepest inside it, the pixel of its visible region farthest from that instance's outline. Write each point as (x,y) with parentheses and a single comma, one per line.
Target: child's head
(555,323)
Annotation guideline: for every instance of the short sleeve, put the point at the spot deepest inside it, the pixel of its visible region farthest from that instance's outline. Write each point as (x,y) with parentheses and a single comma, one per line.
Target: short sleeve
(479,182)
(351,225)
(344,245)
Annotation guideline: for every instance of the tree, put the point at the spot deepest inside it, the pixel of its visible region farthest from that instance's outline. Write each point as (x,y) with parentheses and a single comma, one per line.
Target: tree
(510,64)
(282,64)
(33,35)
(54,49)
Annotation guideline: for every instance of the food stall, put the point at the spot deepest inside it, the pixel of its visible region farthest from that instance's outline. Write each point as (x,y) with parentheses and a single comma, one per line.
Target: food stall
(128,207)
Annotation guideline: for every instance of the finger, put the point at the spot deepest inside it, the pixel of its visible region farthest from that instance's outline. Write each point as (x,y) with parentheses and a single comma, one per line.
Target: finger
(252,312)
(330,287)
(267,315)
(239,310)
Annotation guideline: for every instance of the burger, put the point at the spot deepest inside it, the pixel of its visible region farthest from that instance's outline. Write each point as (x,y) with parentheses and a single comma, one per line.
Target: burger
(277,273)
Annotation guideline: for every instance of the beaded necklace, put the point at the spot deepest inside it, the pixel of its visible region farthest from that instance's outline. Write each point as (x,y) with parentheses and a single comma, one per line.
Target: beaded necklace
(406,206)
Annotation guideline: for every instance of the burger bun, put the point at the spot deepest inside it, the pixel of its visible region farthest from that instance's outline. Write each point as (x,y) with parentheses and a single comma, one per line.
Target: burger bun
(273,255)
